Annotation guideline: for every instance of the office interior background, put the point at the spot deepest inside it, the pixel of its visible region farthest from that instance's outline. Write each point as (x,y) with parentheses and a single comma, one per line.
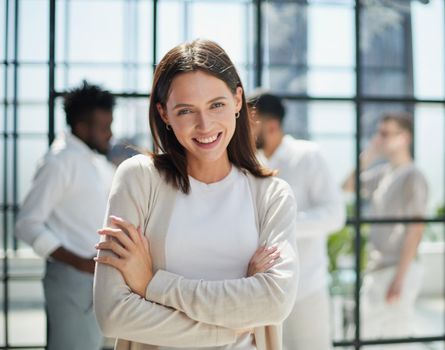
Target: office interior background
(338,64)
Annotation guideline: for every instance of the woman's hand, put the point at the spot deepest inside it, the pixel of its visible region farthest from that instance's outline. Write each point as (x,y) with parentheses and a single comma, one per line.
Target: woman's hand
(263,259)
(133,254)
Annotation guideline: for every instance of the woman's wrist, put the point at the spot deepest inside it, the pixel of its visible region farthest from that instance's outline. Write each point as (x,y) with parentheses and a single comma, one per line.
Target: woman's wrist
(142,289)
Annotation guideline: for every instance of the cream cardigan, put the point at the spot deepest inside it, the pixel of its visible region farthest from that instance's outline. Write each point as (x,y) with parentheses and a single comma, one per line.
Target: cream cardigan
(178,312)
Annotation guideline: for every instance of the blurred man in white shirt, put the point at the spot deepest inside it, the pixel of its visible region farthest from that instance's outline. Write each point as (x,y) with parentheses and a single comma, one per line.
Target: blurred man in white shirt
(320,212)
(62,212)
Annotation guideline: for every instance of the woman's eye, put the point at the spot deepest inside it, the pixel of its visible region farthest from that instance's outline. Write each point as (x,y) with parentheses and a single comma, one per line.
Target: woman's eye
(184,111)
(217,105)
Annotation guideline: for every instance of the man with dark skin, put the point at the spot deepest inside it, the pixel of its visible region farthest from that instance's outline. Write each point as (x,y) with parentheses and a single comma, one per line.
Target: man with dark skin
(62,211)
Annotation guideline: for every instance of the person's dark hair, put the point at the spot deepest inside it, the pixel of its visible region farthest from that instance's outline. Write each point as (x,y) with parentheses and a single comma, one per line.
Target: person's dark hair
(403,119)
(267,104)
(169,155)
(80,102)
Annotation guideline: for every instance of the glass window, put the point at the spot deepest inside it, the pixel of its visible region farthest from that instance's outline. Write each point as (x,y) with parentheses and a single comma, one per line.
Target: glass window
(30,151)
(33,30)
(27,312)
(402,48)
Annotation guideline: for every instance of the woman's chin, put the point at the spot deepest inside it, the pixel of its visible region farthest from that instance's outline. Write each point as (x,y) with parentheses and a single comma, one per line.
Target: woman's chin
(207,157)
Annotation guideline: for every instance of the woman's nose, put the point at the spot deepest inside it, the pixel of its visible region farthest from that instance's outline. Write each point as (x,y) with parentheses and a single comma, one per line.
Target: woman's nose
(203,121)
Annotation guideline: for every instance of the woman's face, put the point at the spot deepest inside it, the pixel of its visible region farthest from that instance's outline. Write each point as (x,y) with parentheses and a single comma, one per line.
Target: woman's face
(201,112)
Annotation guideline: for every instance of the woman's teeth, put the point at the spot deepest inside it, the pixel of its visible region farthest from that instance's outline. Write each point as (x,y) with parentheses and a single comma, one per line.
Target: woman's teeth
(207,139)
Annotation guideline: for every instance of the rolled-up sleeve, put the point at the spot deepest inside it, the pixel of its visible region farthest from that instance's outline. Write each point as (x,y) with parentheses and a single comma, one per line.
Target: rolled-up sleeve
(49,186)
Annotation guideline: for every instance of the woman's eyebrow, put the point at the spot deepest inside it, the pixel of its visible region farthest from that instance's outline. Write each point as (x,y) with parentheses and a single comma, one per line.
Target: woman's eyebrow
(180,105)
(217,98)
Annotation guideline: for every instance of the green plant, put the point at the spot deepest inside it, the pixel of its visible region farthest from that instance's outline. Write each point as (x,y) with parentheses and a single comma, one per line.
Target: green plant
(342,242)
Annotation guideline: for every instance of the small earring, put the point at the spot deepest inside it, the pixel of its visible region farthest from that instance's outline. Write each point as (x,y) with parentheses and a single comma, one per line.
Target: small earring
(237,114)
(168,127)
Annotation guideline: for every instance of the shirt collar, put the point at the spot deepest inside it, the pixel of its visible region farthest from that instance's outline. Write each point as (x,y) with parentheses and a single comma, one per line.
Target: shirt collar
(281,150)
(75,143)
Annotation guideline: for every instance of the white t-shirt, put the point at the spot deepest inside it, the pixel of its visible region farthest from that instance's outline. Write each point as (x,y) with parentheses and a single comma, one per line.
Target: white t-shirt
(212,234)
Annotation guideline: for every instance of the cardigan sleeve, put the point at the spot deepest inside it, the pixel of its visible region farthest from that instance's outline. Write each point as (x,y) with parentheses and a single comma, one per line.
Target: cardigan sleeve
(123,314)
(263,299)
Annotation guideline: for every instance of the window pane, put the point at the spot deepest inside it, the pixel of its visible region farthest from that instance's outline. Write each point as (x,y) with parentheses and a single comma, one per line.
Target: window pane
(124,35)
(92,37)
(331,125)
(2,87)
(204,24)
(114,77)
(181,21)
(430,137)
(428,48)
(2,29)
(340,249)
(33,29)
(33,83)
(331,36)
(30,150)
(314,53)
(110,77)
(27,319)
(33,118)
(143,26)
(402,48)
(171,24)
(131,122)
(285,61)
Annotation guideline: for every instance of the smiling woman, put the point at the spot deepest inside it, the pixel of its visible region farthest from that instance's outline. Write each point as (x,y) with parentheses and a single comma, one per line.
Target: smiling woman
(197,92)
(199,244)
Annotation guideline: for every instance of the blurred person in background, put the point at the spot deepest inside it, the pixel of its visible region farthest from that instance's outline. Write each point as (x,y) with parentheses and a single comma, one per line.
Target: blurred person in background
(321,211)
(394,188)
(122,149)
(61,213)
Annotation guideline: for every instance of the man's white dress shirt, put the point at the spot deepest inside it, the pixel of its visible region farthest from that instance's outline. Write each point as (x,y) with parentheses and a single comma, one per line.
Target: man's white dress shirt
(321,210)
(67,201)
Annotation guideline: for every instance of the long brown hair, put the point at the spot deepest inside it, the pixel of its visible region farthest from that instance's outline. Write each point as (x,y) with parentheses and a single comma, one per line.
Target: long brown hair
(169,155)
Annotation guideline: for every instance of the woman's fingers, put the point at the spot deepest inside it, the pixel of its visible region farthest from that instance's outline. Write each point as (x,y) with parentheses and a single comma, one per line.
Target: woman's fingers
(109,260)
(269,265)
(263,253)
(126,227)
(263,259)
(114,247)
(119,235)
(271,256)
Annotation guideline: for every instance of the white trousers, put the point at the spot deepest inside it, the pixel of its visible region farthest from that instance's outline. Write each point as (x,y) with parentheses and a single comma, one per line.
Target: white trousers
(308,325)
(382,320)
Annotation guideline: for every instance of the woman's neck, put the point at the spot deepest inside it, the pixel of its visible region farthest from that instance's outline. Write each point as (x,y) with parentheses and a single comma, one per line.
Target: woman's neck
(209,172)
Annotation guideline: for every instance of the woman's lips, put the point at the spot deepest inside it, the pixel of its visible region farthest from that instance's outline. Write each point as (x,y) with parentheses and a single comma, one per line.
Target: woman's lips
(208,142)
